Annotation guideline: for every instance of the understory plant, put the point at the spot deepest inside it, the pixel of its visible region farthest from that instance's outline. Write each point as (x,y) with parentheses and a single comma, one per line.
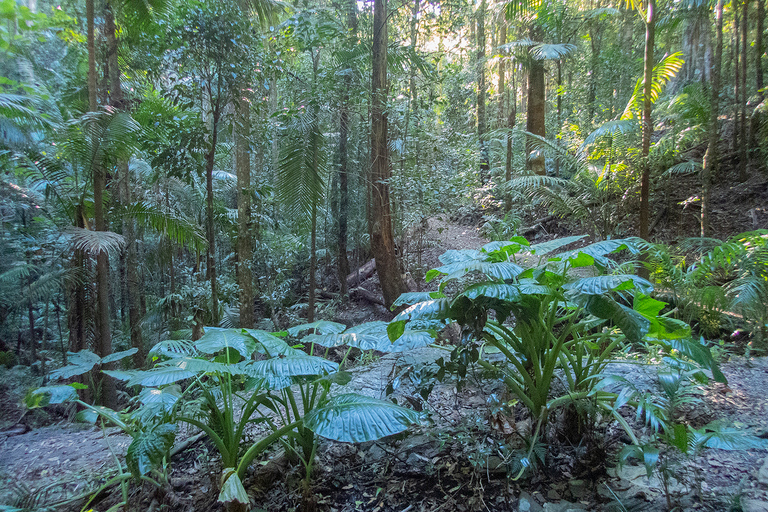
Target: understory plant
(232,378)
(549,312)
(727,277)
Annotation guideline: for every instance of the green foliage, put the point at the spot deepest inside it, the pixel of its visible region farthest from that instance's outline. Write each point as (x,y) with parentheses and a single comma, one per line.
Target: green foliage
(547,316)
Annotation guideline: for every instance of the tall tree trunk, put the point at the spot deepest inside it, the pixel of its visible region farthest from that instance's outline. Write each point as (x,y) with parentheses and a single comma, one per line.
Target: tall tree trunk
(343,270)
(210,158)
(482,121)
(736,78)
(511,119)
(502,87)
(379,217)
(103,331)
(744,142)
(759,48)
(242,129)
(645,179)
(535,122)
(130,261)
(710,164)
(594,66)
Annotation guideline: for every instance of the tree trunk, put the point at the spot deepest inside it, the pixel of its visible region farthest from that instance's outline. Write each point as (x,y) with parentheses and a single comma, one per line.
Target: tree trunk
(744,142)
(536,106)
(343,266)
(710,164)
(511,120)
(379,217)
(103,332)
(759,49)
(242,131)
(211,233)
(645,179)
(130,261)
(485,173)
(736,79)
(502,88)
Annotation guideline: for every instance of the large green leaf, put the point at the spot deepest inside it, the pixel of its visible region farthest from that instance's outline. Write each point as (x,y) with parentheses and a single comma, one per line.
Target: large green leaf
(117,356)
(354,418)
(603,284)
(217,339)
(167,397)
(407,341)
(553,245)
(79,363)
(173,348)
(415,297)
(277,370)
(634,325)
(47,395)
(435,309)
(319,327)
(504,292)
(501,271)
(599,250)
(271,345)
(161,376)
(149,448)
(455,256)
(696,351)
(232,490)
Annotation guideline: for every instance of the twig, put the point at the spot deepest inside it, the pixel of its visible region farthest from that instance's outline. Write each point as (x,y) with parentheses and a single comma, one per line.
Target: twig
(186,443)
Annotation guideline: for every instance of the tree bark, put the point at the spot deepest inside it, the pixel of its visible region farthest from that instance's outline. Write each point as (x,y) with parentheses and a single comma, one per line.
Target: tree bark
(103,332)
(645,179)
(209,226)
(379,217)
(242,129)
(482,120)
(759,49)
(536,106)
(343,261)
(130,261)
(744,142)
(710,164)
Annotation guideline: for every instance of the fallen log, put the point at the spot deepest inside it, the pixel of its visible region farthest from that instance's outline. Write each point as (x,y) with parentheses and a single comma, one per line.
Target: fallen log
(362,293)
(361,274)
(537,225)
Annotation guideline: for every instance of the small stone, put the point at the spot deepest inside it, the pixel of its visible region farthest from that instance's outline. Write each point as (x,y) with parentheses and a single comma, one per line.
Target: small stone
(526,503)
(762,475)
(578,488)
(748,505)
(564,506)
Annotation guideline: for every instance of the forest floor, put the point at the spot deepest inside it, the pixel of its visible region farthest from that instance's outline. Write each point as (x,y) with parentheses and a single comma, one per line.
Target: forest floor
(449,463)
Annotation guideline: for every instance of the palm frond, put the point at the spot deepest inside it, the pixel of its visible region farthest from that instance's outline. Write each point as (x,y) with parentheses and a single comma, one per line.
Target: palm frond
(95,242)
(689,167)
(177,228)
(619,126)
(663,72)
(544,51)
(517,8)
(300,178)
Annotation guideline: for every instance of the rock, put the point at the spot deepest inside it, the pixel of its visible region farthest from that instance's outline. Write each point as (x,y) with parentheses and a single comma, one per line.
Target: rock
(579,488)
(748,505)
(762,474)
(564,506)
(494,464)
(526,503)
